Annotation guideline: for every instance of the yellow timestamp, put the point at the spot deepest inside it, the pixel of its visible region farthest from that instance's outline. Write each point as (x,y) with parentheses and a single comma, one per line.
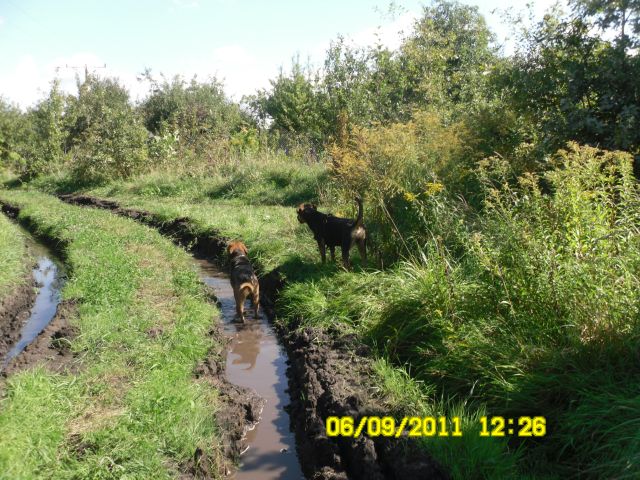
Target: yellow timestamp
(375,426)
(525,426)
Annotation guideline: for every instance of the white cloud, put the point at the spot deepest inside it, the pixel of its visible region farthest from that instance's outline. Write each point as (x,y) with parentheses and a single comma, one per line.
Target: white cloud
(24,84)
(30,81)
(389,35)
(242,72)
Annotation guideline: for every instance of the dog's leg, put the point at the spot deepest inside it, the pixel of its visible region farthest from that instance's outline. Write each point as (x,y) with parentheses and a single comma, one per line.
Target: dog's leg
(346,246)
(323,250)
(255,298)
(362,248)
(332,251)
(239,303)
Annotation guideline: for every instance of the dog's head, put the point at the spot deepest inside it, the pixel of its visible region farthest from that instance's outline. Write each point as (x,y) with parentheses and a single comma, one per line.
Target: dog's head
(303,211)
(237,248)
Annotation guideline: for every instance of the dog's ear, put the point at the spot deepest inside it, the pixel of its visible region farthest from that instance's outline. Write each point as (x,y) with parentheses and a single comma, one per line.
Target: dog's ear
(243,247)
(230,248)
(313,206)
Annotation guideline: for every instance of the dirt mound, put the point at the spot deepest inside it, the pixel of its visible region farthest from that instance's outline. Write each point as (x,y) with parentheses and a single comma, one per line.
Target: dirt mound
(333,377)
(14,312)
(52,347)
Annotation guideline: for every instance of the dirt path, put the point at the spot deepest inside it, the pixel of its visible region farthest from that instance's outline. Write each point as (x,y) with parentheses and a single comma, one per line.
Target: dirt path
(327,376)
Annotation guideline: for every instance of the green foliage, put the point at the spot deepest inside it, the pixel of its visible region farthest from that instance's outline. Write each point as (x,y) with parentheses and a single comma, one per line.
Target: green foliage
(570,84)
(292,104)
(619,14)
(196,113)
(534,299)
(14,136)
(447,55)
(440,66)
(32,143)
(105,133)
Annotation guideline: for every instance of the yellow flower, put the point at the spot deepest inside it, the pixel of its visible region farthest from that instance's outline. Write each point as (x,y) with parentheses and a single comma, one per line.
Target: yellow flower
(409,197)
(433,188)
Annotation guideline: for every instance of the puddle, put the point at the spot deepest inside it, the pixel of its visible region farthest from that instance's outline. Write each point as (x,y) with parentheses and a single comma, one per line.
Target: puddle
(49,281)
(256,361)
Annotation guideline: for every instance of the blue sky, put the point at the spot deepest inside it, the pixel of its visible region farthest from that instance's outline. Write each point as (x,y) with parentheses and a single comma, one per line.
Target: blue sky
(243,41)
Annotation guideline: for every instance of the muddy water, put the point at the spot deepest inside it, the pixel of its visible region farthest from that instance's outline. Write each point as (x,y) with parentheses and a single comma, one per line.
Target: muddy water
(256,361)
(49,279)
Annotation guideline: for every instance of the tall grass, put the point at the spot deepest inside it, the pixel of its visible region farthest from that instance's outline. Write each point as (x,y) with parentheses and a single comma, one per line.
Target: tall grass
(263,177)
(532,311)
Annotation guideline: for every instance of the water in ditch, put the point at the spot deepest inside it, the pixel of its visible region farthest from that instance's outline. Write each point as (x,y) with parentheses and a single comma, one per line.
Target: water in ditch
(256,361)
(49,279)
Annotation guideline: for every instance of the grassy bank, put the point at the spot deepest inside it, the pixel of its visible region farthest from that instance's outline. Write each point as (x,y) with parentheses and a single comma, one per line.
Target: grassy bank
(13,257)
(527,307)
(134,408)
(276,239)
(532,310)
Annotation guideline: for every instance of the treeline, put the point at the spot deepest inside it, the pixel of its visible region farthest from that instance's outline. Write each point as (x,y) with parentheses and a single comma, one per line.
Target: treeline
(446,92)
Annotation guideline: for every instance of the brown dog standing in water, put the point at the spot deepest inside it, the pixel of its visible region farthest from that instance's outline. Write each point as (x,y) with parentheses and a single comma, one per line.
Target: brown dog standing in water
(330,231)
(243,279)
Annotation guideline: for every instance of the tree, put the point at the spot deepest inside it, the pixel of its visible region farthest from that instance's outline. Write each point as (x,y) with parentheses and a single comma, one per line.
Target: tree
(574,85)
(447,56)
(622,15)
(196,110)
(292,104)
(107,136)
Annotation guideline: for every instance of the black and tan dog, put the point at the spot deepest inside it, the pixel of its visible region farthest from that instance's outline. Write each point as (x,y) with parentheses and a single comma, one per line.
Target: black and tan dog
(243,279)
(330,231)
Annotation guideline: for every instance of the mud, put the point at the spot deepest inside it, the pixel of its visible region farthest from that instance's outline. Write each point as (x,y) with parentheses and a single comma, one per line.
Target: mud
(332,376)
(52,347)
(327,376)
(48,279)
(256,361)
(14,312)
(34,325)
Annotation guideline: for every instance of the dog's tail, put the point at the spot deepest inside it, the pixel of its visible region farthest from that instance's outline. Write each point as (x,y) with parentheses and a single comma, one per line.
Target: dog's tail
(359,222)
(248,286)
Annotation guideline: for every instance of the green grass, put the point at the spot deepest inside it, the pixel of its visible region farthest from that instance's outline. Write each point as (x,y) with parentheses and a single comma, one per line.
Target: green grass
(266,178)
(528,307)
(13,256)
(134,409)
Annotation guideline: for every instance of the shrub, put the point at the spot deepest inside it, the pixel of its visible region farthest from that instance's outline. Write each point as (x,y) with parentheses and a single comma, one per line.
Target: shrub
(400,169)
(108,138)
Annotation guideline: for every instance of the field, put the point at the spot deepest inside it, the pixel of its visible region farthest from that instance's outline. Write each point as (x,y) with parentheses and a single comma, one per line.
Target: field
(495,324)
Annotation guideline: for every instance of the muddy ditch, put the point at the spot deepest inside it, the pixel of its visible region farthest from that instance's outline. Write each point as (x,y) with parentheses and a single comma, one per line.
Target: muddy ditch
(34,321)
(240,409)
(327,376)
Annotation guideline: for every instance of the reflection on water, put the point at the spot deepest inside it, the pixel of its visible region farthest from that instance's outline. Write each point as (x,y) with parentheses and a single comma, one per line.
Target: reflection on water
(256,361)
(48,279)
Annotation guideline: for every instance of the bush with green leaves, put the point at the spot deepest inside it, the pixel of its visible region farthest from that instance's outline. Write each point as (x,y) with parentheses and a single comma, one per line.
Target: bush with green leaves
(107,137)
(14,135)
(33,142)
(197,114)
